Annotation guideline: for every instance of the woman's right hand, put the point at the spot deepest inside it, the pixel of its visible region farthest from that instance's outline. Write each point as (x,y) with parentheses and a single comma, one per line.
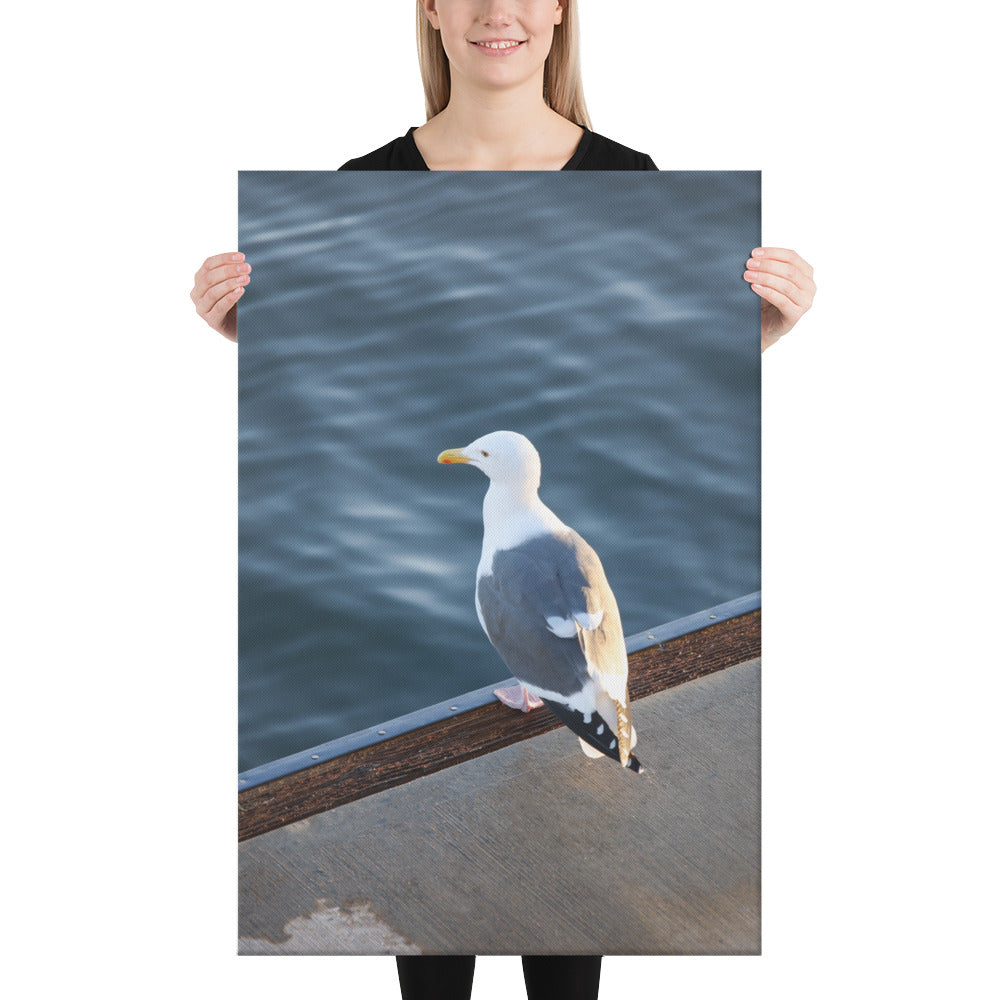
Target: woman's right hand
(218,285)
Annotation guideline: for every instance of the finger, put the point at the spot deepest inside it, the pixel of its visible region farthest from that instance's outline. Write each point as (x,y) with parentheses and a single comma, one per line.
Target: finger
(207,302)
(224,272)
(205,298)
(216,261)
(764,270)
(234,257)
(784,255)
(801,277)
(205,281)
(762,265)
(217,313)
(786,306)
(776,283)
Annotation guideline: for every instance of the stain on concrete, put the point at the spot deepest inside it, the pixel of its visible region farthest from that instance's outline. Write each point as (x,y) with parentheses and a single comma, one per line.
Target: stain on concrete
(353,929)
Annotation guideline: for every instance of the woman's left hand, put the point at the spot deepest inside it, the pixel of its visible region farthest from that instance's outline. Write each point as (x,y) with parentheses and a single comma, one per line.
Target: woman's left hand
(784,282)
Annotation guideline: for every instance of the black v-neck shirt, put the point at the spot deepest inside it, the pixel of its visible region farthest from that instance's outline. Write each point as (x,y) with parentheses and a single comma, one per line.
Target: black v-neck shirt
(594,152)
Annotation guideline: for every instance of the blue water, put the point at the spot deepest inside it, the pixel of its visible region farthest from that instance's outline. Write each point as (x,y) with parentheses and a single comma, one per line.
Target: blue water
(393,315)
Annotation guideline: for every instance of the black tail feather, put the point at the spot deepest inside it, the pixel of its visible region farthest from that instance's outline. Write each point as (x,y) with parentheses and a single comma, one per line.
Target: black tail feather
(597,732)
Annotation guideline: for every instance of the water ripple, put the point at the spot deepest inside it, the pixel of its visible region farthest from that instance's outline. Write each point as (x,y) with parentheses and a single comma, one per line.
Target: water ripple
(393,316)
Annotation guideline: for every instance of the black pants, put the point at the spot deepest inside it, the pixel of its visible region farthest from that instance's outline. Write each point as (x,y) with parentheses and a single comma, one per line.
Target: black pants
(546,977)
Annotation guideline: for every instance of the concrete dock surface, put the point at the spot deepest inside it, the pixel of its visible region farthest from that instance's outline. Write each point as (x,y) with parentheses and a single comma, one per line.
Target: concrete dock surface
(536,849)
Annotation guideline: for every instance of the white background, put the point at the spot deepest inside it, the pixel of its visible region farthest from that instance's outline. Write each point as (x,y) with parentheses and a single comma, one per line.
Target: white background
(124,129)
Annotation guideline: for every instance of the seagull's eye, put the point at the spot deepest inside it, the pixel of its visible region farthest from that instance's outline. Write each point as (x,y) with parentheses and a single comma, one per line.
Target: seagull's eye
(485,454)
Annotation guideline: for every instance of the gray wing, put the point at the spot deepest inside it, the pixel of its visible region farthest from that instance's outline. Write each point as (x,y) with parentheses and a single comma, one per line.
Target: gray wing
(553,582)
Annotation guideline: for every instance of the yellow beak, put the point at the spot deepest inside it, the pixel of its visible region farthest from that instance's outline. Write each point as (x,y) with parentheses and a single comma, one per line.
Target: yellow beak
(451,456)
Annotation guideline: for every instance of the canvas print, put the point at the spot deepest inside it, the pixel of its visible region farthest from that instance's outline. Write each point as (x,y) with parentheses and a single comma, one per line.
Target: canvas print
(499,559)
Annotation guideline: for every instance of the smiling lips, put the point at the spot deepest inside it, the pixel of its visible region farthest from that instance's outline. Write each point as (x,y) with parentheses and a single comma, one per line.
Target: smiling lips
(498,46)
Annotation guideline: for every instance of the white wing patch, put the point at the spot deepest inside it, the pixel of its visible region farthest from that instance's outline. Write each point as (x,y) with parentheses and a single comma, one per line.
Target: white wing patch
(589,621)
(565,628)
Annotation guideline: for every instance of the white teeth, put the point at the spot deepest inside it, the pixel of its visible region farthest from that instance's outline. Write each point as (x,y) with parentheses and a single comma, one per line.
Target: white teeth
(498,45)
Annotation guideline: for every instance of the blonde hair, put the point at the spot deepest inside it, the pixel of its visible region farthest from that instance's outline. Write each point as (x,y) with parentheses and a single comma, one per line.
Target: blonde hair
(563,86)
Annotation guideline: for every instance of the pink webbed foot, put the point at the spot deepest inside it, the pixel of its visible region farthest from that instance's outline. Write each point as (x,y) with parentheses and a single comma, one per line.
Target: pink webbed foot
(517,697)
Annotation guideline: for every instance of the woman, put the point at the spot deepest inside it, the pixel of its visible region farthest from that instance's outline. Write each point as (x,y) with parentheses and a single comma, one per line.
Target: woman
(503,92)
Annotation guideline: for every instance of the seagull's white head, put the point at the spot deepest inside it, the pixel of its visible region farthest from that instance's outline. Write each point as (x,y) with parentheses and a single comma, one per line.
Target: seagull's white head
(505,456)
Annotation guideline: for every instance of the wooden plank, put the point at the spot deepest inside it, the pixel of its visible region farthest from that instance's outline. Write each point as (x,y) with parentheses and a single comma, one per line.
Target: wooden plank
(475,699)
(482,730)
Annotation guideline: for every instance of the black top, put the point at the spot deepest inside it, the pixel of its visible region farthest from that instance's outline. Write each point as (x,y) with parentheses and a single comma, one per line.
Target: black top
(594,153)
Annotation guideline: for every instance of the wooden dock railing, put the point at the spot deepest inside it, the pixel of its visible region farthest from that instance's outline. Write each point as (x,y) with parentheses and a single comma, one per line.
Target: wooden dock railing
(443,735)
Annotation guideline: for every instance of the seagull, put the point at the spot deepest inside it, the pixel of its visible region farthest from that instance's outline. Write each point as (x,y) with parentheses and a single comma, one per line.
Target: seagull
(545,604)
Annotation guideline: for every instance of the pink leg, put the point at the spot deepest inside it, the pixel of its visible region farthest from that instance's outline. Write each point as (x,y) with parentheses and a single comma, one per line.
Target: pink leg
(517,697)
